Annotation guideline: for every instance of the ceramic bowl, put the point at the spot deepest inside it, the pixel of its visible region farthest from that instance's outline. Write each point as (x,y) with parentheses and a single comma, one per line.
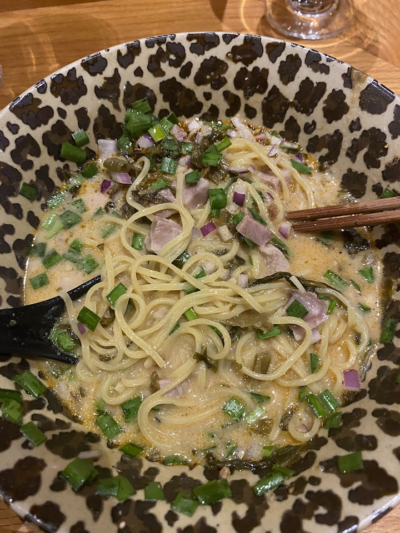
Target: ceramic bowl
(350,123)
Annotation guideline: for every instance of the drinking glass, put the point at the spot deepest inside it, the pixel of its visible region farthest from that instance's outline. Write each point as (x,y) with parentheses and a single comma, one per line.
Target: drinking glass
(309,19)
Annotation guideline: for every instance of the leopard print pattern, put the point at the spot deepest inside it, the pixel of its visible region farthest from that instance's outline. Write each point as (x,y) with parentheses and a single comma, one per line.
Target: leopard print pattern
(350,123)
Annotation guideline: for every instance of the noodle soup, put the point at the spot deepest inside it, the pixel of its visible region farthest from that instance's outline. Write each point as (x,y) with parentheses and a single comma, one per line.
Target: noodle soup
(216,331)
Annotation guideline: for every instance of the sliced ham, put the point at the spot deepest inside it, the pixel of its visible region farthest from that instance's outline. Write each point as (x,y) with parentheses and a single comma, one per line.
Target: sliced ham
(195,195)
(255,231)
(274,259)
(179,133)
(298,333)
(165,195)
(162,231)
(316,308)
(269,178)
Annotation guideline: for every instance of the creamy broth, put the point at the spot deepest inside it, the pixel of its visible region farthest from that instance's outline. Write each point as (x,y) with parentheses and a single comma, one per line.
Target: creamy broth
(197,393)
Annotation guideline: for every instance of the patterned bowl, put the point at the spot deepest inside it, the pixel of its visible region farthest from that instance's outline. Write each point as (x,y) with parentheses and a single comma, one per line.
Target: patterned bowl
(348,121)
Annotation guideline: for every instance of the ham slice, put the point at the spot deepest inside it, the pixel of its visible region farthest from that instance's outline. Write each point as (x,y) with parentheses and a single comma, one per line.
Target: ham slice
(195,195)
(269,178)
(255,231)
(179,133)
(275,261)
(165,195)
(162,231)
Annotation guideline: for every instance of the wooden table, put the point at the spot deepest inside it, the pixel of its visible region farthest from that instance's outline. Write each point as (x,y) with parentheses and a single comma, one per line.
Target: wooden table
(39,36)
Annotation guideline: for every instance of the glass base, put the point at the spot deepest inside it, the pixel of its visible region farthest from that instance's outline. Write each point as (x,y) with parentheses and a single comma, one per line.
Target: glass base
(287,17)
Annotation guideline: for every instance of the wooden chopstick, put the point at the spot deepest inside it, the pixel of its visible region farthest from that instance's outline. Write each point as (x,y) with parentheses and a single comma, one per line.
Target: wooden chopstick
(369,213)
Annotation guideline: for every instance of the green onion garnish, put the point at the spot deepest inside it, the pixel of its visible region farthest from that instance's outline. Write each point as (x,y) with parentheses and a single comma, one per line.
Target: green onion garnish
(181,259)
(187,148)
(177,326)
(53,224)
(317,406)
(30,383)
(87,264)
(388,330)
(296,309)
(117,486)
(33,433)
(234,408)
(364,308)
(259,398)
(314,362)
(80,137)
(333,421)
(211,156)
(38,249)
(268,450)
(78,472)
(124,143)
(236,219)
(335,280)
(200,275)
(256,215)
(9,394)
(166,124)
(192,177)
(118,291)
(190,314)
(273,332)
(388,193)
(355,285)
(303,393)
(287,252)
(327,238)
(137,241)
(57,199)
(331,307)
(255,415)
(69,219)
(283,470)
(90,170)
(79,205)
(29,191)
(328,400)
(158,133)
(88,318)
(133,450)
(51,259)
(73,153)
(12,411)
(250,244)
(107,230)
(185,503)
(224,144)
(175,460)
(154,492)
(300,167)
(136,123)
(39,281)
(159,184)
(218,198)
(62,340)
(168,165)
(76,245)
(131,408)
(367,274)
(141,106)
(213,491)
(108,426)
(350,462)
(267,483)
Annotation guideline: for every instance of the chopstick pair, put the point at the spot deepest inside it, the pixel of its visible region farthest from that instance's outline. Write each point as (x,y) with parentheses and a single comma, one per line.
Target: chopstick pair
(369,213)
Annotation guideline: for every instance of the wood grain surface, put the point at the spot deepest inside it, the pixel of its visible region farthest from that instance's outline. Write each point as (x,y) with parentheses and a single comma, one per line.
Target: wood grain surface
(40,36)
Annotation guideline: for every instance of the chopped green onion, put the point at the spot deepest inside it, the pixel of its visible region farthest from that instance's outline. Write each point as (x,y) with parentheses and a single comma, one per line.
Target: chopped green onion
(314,362)
(90,170)
(166,124)
(213,491)
(88,318)
(30,383)
(327,238)
(53,224)
(181,259)
(200,275)
(192,177)
(259,398)
(158,133)
(350,462)
(39,281)
(108,229)
(124,143)
(355,285)
(170,147)
(224,144)
(131,408)
(190,314)
(218,198)
(317,406)
(273,332)
(118,486)
(175,460)
(62,340)
(388,330)
(33,433)
(141,106)
(69,219)
(211,156)
(287,252)
(185,503)
(331,307)
(57,199)
(230,451)
(168,165)
(137,241)
(234,408)
(329,400)
(51,259)
(333,421)
(236,219)
(364,308)
(177,326)
(388,193)
(12,411)
(87,264)
(9,394)
(268,450)
(187,148)
(300,167)
(159,184)
(173,118)
(28,191)
(99,212)
(267,483)
(154,492)
(250,244)
(108,426)
(302,394)
(367,274)
(296,309)
(73,153)
(137,123)
(72,256)
(335,280)
(284,470)
(38,249)
(133,450)
(78,472)
(255,415)
(79,205)
(256,215)
(118,291)
(80,137)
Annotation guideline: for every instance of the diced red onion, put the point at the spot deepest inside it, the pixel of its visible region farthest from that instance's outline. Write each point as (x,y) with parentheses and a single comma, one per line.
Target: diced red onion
(232,133)
(185,161)
(179,133)
(244,131)
(224,233)
(208,228)
(351,380)
(232,208)
(299,157)
(195,125)
(145,141)
(239,170)
(81,328)
(262,136)
(196,234)
(206,130)
(239,198)
(284,229)
(121,177)
(268,197)
(289,145)
(316,336)
(243,280)
(107,148)
(209,267)
(225,274)
(198,137)
(273,152)
(105,185)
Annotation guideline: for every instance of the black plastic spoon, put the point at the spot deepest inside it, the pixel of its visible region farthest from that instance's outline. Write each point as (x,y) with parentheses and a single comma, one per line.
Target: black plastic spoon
(25,330)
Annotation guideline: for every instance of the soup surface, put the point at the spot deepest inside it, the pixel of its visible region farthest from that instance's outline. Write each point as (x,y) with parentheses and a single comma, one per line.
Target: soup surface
(216,331)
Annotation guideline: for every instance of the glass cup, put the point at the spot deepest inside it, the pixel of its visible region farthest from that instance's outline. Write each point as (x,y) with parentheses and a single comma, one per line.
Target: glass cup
(309,19)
